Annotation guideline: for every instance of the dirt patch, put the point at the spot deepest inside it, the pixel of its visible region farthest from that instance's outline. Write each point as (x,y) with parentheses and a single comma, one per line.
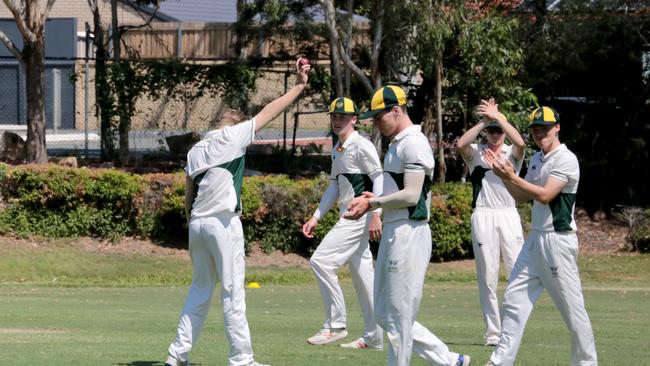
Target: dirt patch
(607,236)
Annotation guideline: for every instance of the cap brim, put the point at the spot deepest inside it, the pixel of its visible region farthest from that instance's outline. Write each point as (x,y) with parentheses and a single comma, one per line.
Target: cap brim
(539,123)
(370,114)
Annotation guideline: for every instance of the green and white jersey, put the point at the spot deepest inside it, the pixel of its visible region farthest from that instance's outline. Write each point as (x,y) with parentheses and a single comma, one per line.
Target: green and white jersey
(352,164)
(561,164)
(409,151)
(216,164)
(488,190)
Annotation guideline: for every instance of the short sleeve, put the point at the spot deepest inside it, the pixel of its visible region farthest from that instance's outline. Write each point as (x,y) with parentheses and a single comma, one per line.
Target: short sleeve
(243,133)
(368,159)
(473,157)
(516,163)
(416,155)
(566,168)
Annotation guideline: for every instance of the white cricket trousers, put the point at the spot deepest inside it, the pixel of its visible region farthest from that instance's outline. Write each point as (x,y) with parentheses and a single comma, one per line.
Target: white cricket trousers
(404,254)
(547,260)
(347,242)
(217,251)
(496,234)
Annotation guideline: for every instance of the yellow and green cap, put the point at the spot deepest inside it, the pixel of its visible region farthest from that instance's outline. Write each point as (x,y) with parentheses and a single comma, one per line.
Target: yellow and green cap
(543,116)
(343,106)
(385,98)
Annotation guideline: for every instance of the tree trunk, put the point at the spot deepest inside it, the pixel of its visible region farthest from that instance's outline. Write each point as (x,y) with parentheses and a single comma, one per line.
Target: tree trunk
(335,56)
(347,45)
(124,124)
(104,102)
(34,63)
(442,167)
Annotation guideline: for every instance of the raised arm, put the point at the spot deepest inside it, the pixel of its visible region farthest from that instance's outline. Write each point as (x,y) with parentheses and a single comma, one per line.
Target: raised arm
(464,142)
(490,110)
(273,109)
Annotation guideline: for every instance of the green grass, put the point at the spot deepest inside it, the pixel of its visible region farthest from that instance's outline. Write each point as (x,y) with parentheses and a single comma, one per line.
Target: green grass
(66,306)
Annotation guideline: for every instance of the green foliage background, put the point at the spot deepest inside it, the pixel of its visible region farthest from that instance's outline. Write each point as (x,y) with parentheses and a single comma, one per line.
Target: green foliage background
(53,201)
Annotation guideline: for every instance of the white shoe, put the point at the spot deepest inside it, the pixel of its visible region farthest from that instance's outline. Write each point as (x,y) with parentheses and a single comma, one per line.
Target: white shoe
(173,361)
(360,343)
(326,336)
(463,360)
(492,341)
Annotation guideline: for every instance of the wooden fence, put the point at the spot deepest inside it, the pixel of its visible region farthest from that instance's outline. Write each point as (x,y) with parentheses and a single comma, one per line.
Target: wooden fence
(213,41)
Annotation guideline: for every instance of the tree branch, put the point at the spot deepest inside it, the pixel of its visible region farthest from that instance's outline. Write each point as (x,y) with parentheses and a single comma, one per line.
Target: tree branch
(377,35)
(11,46)
(20,22)
(46,12)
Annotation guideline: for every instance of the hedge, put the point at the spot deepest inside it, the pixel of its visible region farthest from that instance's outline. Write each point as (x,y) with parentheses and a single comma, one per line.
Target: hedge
(55,201)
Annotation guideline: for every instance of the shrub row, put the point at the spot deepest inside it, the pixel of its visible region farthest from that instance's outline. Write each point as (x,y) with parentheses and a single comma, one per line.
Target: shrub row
(639,236)
(55,201)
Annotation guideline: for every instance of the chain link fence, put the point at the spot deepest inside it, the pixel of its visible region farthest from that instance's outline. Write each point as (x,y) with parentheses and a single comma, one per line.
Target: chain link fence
(73,126)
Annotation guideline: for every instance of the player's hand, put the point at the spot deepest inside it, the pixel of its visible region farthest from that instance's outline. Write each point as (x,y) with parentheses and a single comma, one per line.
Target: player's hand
(303,66)
(358,206)
(374,227)
(502,168)
(489,109)
(308,228)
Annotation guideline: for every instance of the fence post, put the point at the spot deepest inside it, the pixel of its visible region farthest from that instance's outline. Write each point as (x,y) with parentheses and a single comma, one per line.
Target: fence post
(86,87)
(179,41)
(296,117)
(56,99)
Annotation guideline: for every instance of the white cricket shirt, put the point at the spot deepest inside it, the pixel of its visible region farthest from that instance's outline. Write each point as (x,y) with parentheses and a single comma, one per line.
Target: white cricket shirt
(216,164)
(488,189)
(409,151)
(561,164)
(352,164)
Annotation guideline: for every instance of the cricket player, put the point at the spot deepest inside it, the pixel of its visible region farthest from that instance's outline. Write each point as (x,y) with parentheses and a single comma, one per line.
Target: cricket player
(355,169)
(405,248)
(548,259)
(214,170)
(496,227)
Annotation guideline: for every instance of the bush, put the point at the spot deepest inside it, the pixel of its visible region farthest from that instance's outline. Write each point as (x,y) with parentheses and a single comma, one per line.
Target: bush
(54,201)
(639,236)
(61,202)
(451,212)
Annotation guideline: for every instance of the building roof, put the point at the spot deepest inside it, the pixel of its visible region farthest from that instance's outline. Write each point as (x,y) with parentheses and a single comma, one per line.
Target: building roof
(222,11)
(209,11)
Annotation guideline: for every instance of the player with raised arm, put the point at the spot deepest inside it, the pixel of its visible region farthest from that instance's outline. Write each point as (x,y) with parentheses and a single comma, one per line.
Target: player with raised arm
(496,226)
(355,169)
(214,178)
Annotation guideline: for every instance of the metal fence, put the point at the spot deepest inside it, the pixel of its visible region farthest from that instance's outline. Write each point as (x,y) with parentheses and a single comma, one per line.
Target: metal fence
(73,127)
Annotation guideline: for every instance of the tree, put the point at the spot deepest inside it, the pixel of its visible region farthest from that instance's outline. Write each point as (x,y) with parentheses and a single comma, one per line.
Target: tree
(30,19)
(587,61)
(108,99)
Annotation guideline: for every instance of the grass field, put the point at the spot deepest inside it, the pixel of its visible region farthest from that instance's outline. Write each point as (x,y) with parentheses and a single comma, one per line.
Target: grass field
(63,306)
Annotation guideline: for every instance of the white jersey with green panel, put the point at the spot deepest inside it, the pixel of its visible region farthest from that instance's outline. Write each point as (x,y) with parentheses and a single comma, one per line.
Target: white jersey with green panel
(352,164)
(216,164)
(488,190)
(409,151)
(561,164)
